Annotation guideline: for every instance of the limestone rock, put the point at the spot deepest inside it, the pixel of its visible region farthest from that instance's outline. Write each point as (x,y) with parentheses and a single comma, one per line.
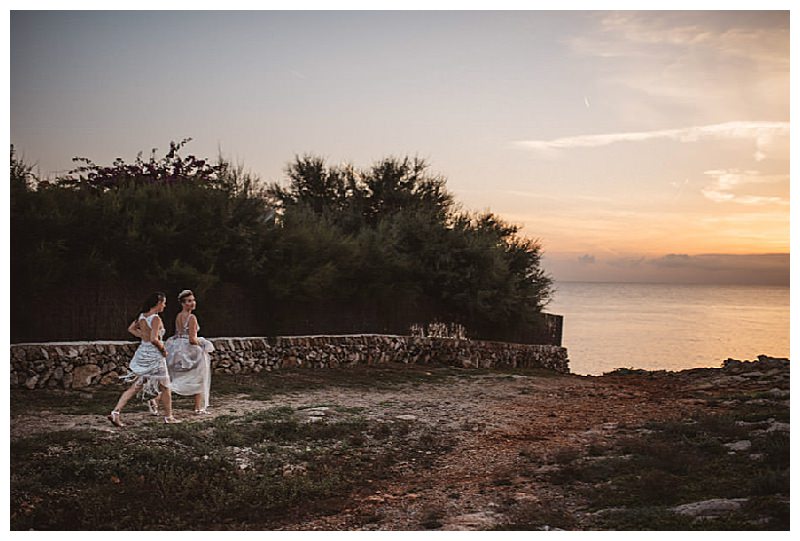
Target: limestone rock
(82,375)
(778,393)
(109,367)
(295,470)
(482,520)
(753,374)
(776,361)
(742,445)
(778,427)
(707,508)
(109,379)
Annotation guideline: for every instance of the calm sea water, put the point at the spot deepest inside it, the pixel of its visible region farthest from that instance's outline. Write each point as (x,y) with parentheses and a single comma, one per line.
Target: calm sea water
(667,326)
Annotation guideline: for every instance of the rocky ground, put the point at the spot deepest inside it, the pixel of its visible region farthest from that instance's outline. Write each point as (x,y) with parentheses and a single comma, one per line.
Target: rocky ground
(423,447)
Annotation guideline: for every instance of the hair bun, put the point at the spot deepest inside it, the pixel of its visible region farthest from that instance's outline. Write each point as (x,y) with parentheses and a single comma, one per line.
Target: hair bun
(185,293)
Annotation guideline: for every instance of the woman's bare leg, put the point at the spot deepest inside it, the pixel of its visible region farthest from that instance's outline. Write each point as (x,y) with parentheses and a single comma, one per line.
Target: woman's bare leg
(127,395)
(166,400)
(198,402)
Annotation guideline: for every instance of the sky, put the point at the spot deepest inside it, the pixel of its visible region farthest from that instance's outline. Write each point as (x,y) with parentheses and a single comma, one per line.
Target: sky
(636,146)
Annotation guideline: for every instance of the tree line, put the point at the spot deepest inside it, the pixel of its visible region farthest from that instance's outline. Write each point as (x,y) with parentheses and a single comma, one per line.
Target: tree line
(389,234)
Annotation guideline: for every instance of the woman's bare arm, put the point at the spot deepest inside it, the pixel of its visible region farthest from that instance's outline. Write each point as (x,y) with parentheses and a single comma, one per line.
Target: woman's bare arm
(133,328)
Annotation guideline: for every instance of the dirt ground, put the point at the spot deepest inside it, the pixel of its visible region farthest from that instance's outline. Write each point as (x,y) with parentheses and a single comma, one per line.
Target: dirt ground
(492,421)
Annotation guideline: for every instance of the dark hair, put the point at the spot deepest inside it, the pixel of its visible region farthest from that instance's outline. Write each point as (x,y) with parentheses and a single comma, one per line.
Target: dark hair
(152,300)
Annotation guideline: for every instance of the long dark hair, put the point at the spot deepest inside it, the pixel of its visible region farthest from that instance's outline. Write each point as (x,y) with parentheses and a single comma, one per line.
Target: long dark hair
(151,300)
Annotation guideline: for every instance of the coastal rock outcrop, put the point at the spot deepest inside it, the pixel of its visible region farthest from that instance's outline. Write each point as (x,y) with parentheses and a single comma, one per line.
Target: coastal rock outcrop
(710,508)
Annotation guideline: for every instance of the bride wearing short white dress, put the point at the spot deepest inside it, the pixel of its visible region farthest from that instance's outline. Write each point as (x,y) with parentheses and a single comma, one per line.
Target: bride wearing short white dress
(148,367)
(188,358)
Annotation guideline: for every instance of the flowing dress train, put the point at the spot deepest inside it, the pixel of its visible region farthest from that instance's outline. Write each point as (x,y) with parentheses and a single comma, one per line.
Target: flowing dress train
(189,365)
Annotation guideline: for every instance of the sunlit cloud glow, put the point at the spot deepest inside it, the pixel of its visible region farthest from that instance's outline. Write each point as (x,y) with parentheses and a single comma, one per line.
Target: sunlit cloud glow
(612,137)
(677,61)
(762,133)
(637,29)
(768,268)
(721,190)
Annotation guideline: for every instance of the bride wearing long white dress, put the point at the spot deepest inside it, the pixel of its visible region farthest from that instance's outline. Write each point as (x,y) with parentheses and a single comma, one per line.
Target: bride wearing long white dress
(188,358)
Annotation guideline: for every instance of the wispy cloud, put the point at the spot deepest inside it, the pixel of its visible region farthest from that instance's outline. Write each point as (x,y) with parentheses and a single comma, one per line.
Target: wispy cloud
(692,30)
(762,133)
(726,181)
(705,63)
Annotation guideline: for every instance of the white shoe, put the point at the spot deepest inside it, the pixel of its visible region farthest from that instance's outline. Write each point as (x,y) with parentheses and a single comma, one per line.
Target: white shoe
(114,418)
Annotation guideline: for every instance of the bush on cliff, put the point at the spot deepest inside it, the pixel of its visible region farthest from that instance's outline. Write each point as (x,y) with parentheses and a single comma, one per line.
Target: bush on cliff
(397,229)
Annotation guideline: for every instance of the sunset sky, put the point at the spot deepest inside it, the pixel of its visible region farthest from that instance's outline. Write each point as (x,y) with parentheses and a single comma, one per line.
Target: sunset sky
(637,146)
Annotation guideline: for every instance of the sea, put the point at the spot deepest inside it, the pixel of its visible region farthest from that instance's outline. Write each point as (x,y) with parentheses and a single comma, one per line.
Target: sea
(669,326)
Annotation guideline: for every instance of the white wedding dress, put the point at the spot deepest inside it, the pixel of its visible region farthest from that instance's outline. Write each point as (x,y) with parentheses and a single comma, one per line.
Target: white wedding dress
(148,366)
(189,365)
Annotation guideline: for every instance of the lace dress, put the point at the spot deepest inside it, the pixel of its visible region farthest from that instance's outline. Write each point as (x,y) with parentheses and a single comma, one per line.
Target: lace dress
(148,367)
(189,365)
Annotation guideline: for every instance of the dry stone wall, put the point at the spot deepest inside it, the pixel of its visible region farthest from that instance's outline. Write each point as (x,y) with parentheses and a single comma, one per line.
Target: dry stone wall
(76,365)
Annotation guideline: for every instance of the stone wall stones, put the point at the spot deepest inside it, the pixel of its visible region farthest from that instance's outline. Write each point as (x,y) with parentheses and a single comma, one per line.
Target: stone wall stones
(76,365)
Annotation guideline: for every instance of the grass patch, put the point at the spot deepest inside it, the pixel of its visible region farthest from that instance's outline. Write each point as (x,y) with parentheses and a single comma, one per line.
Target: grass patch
(254,471)
(636,480)
(96,401)
(529,516)
(266,385)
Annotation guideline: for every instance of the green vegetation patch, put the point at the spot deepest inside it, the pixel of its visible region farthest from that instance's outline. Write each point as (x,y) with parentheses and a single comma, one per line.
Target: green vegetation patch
(266,385)
(527,516)
(635,482)
(253,471)
(98,401)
